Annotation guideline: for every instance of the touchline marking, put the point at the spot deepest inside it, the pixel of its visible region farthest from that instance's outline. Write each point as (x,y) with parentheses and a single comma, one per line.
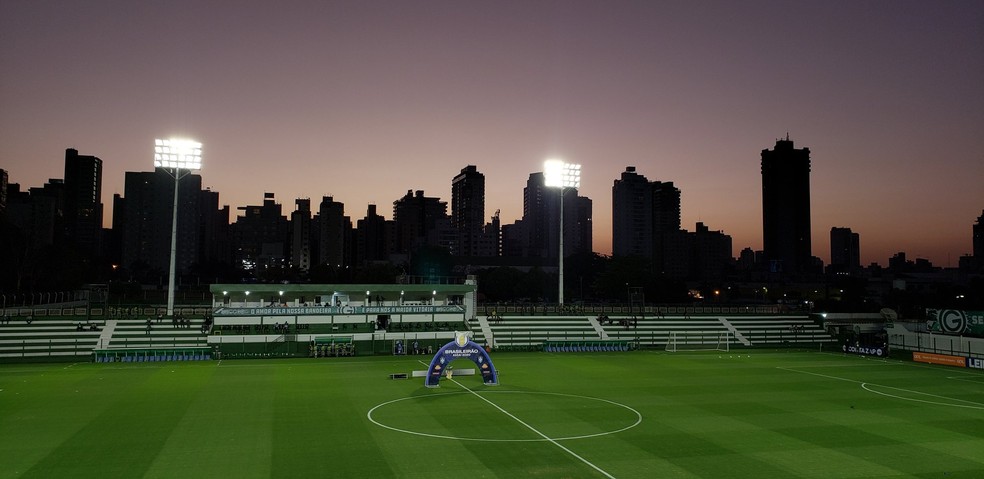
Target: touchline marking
(531,428)
(970,405)
(864,385)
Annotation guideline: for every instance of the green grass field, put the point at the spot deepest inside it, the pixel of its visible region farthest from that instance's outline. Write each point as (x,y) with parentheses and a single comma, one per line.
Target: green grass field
(753,414)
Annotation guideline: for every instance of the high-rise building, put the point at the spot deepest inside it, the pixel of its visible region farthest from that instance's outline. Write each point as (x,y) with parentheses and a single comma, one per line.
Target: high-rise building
(34,213)
(646,222)
(374,237)
(786,208)
(979,238)
(579,237)
(215,246)
(260,235)
(83,205)
(632,215)
(300,235)
(3,191)
(146,219)
(333,225)
(537,234)
(416,217)
(468,211)
(711,254)
(845,250)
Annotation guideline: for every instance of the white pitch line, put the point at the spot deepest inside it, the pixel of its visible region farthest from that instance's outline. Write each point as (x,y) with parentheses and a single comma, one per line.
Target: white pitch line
(531,428)
(973,405)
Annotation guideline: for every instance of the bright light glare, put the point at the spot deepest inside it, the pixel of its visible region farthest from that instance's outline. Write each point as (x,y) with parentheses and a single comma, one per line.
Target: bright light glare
(558,174)
(178,153)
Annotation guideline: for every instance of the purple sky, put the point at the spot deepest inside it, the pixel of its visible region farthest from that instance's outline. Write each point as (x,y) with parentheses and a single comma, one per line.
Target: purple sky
(366,100)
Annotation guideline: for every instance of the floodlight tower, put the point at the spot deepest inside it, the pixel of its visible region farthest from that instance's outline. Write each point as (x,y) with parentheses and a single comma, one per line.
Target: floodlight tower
(562,175)
(174,155)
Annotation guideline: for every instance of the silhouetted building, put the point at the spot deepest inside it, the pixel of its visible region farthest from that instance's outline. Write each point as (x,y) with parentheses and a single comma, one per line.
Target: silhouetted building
(3,191)
(786,208)
(375,238)
(215,242)
(300,235)
(578,226)
(537,234)
(260,235)
(146,220)
(33,214)
(711,254)
(416,217)
(335,228)
(632,215)
(646,222)
(515,240)
(468,211)
(491,238)
(979,238)
(845,251)
(83,205)
(746,260)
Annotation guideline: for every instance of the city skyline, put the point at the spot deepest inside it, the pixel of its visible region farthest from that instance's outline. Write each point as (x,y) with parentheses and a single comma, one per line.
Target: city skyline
(363,102)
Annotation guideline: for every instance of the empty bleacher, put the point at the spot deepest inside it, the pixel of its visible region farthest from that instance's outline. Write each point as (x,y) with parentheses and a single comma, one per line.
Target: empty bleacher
(134,334)
(47,337)
(531,332)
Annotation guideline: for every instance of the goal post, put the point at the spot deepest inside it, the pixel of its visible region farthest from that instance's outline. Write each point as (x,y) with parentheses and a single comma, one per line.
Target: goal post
(698,341)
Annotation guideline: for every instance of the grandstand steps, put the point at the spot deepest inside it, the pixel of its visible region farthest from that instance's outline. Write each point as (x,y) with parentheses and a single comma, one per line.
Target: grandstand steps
(738,336)
(484,328)
(597,326)
(107,332)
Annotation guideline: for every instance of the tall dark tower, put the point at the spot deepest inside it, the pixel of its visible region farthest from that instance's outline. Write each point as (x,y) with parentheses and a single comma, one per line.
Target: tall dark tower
(468,210)
(786,207)
(300,234)
(632,215)
(979,238)
(845,250)
(332,221)
(83,206)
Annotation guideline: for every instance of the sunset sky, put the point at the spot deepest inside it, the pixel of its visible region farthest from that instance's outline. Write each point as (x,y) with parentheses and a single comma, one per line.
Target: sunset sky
(365,100)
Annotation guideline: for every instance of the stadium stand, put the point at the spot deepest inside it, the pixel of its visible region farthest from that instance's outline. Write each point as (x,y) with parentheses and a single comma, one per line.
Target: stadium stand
(48,336)
(531,332)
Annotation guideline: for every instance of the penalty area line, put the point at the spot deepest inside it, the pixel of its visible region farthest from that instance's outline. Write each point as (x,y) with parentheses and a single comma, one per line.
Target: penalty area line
(531,428)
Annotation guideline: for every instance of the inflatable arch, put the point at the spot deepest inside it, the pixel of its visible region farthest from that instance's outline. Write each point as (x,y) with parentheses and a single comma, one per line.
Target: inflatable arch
(461,348)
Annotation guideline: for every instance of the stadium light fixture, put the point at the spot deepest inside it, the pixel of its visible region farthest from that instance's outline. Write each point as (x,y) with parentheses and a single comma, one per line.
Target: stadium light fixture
(174,156)
(562,175)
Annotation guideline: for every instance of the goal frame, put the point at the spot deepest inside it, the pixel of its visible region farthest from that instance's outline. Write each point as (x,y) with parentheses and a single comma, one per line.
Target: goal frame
(699,341)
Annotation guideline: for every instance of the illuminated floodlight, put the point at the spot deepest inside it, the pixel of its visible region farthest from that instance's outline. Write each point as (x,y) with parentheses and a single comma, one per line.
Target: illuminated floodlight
(560,174)
(178,153)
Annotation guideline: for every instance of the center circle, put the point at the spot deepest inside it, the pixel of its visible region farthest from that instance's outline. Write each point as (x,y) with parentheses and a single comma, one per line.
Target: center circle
(580,409)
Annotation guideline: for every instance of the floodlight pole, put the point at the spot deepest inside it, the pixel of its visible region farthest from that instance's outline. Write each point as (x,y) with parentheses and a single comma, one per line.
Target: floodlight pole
(560,174)
(172,156)
(560,288)
(174,242)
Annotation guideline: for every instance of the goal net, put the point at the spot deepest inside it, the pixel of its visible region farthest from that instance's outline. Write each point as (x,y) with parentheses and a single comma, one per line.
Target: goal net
(698,341)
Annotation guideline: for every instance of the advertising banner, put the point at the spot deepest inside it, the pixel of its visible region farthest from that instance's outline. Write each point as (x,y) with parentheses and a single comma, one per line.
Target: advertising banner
(943,359)
(955,321)
(329,310)
(862,350)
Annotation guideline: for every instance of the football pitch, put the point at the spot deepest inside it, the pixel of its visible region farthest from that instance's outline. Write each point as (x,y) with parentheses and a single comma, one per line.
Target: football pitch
(642,414)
